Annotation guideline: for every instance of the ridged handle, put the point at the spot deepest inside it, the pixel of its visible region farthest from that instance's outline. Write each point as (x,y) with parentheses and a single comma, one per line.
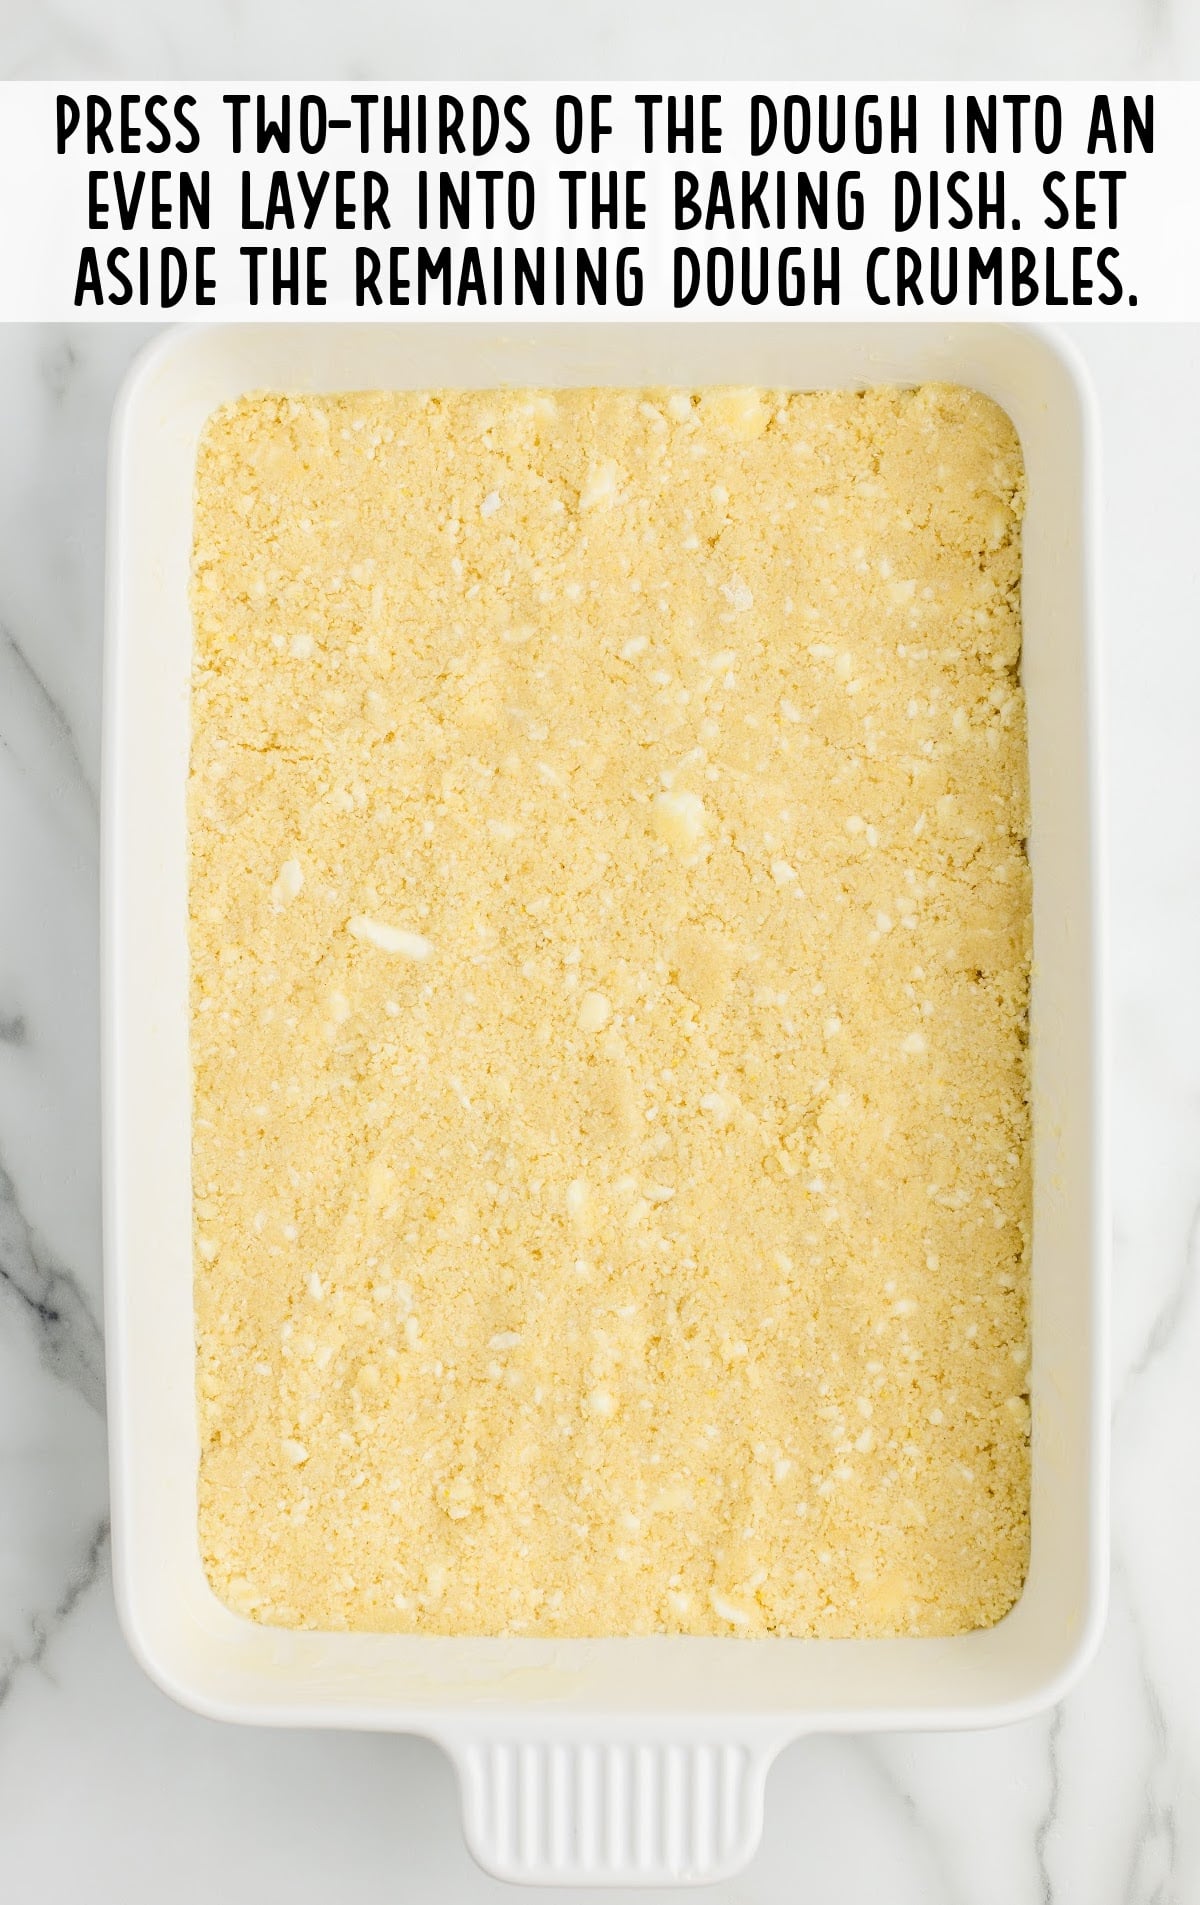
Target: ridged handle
(557,1812)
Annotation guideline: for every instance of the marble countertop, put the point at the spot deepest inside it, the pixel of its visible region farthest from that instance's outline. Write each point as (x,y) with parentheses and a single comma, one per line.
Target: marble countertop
(875,40)
(110,1791)
(107,1790)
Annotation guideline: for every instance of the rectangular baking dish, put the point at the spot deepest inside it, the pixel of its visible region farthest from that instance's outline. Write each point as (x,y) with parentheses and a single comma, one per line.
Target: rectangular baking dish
(601,1761)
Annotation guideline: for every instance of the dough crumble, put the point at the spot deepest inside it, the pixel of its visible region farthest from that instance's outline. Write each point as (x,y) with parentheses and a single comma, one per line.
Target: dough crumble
(609,923)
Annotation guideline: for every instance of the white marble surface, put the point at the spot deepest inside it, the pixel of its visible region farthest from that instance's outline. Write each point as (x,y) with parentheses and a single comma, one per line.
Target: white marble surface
(1012,40)
(110,1792)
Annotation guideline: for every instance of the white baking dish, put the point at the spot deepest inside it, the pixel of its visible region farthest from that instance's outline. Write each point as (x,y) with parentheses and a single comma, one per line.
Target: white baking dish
(590,1761)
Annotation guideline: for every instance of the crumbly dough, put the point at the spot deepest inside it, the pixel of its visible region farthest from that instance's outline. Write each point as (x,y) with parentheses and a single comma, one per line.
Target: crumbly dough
(610,938)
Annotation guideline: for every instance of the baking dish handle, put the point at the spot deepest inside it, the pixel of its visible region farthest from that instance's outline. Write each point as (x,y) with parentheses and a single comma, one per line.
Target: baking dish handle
(603,1810)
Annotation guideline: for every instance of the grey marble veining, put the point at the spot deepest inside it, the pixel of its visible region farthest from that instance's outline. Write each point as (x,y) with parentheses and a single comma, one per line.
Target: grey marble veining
(107,1790)
(69,1342)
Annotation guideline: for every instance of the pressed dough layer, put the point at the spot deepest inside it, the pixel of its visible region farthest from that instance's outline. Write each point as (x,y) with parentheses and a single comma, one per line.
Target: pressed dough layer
(609,935)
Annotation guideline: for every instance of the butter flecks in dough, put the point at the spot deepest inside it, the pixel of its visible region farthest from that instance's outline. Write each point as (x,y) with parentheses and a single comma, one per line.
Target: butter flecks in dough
(609,932)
